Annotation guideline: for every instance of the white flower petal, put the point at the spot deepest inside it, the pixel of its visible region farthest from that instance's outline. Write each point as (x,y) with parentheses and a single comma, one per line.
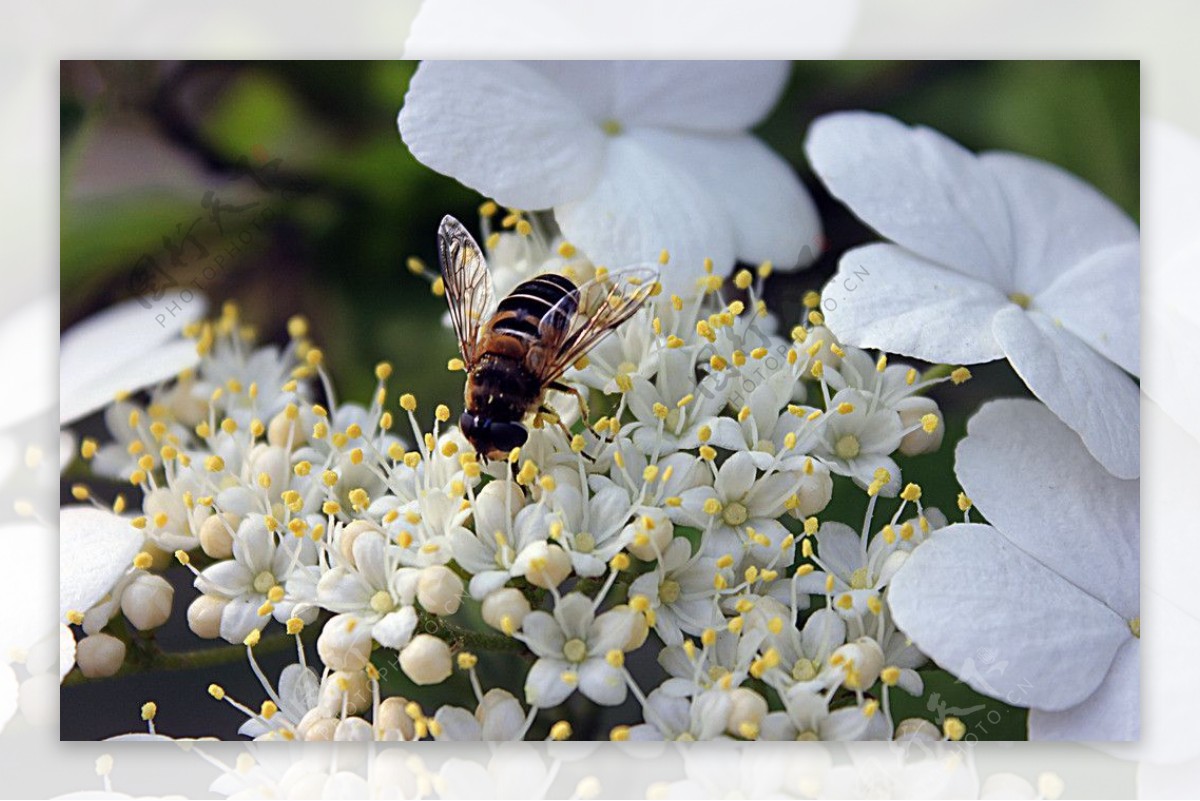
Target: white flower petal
(1034,481)
(1097,300)
(642,205)
(885,297)
(544,686)
(1087,392)
(1111,713)
(396,628)
(714,96)
(122,349)
(735,478)
(967,594)
(1057,222)
(602,682)
(504,130)
(240,617)
(95,549)
(29,360)
(918,188)
(773,217)
(457,725)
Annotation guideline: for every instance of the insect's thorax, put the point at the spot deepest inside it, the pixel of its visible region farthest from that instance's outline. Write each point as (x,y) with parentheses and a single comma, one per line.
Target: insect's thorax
(501,388)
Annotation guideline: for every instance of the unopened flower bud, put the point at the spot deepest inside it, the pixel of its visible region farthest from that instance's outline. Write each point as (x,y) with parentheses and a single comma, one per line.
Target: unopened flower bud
(99,655)
(507,602)
(861,662)
(350,533)
(204,616)
(392,718)
(283,431)
(918,729)
(344,643)
(439,590)
(147,601)
(354,729)
(826,353)
(215,537)
(912,410)
(426,660)
(344,686)
(312,718)
(321,730)
(745,707)
(651,532)
(813,490)
(543,565)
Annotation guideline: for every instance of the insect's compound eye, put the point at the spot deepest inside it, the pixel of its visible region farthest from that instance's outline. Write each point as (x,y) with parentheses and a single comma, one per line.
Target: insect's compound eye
(467,423)
(506,436)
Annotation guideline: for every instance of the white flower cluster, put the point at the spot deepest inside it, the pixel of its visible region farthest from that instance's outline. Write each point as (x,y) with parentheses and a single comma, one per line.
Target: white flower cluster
(690,510)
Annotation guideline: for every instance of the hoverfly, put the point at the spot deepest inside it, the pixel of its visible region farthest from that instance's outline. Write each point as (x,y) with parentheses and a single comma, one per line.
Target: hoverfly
(516,350)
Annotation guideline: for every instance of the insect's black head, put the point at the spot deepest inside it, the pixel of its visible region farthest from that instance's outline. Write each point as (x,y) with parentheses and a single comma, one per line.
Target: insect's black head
(492,439)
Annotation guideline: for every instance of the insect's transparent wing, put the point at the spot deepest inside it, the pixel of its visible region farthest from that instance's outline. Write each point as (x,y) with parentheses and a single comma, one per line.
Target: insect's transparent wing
(468,284)
(587,315)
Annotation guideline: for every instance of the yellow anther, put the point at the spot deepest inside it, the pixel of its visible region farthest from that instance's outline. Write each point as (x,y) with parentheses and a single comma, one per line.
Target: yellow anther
(910,377)
(911,492)
(143,561)
(929,423)
(954,729)
(759,353)
(725,561)
(619,562)
(615,658)
(674,342)
(817,369)
(964,503)
(149,710)
(845,407)
(708,453)
(331,507)
(619,734)
(466,660)
(661,411)
(743,279)
(216,691)
(816,318)
(717,362)
(712,507)
(408,402)
(960,375)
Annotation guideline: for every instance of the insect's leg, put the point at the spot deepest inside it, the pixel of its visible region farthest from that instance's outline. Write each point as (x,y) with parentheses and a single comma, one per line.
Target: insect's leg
(558,386)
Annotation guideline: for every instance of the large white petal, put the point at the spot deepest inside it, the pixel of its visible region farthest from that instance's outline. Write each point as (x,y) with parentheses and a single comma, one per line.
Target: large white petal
(122,349)
(503,129)
(918,188)
(1097,300)
(1111,713)
(1087,392)
(1002,622)
(29,360)
(1057,220)
(774,219)
(1034,481)
(712,96)
(642,205)
(95,549)
(888,298)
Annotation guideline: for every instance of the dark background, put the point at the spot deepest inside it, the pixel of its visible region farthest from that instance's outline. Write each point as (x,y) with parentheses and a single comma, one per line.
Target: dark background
(332,204)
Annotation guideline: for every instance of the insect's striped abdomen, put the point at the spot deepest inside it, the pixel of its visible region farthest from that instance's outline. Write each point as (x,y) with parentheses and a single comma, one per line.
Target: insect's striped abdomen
(520,313)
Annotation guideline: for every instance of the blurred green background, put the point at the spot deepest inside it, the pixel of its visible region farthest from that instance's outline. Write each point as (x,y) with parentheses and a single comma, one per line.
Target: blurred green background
(321,204)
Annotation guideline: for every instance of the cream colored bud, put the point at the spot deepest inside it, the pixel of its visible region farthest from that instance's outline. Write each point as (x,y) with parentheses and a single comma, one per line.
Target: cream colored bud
(321,730)
(146,602)
(312,718)
(392,717)
(426,660)
(543,565)
(507,602)
(917,442)
(354,730)
(639,631)
(656,527)
(99,655)
(825,354)
(204,616)
(344,644)
(813,490)
(281,429)
(350,533)
(215,537)
(745,707)
(861,662)
(918,729)
(439,590)
(350,686)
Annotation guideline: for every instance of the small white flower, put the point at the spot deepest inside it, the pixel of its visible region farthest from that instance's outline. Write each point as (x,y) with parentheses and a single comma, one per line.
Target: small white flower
(670,410)
(573,646)
(1060,559)
(634,157)
(806,716)
(680,591)
(672,717)
(739,510)
(996,255)
(374,589)
(592,528)
(499,717)
(859,441)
